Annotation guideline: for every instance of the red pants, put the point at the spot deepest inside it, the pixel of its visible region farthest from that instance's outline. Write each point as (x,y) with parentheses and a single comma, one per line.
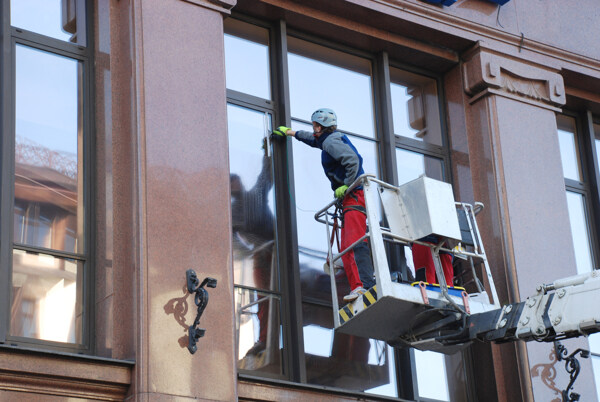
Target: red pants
(355,226)
(422,258)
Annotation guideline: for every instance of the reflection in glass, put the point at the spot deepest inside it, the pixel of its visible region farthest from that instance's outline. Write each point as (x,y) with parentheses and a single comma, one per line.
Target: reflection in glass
(59,19)
(580,232)
(258,326)
(344,361)
(568,148)
(322,77)
(411,165)
(594,343)
(247,59)
(252,199)
(46,297)
(48,187)
(596,368)
(312,191)
(431,375)
(415,107)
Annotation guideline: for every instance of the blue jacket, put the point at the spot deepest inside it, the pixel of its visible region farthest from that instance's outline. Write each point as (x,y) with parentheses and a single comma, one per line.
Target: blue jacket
(341,161)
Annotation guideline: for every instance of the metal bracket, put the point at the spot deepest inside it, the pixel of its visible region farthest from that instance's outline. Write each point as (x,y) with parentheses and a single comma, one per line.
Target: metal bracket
(572,366)
(201,300)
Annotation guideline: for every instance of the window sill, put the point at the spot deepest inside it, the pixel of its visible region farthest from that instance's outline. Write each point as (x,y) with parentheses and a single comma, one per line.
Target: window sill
(63,374)
(253,388)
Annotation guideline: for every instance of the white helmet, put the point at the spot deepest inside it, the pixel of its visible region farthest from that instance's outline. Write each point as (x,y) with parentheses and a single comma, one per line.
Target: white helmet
(325,117)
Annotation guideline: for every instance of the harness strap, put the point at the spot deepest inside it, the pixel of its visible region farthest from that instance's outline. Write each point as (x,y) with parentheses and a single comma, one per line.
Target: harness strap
(334,232)
(358,208)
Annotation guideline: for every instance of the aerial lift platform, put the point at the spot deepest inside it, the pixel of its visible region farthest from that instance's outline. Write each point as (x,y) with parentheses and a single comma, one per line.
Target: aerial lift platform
(437,317)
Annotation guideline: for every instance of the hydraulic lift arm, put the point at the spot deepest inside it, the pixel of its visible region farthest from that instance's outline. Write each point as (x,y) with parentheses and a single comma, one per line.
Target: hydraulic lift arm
(564,309)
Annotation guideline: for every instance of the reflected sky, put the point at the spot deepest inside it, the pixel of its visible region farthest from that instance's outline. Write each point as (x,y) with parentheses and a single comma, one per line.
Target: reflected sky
(47,99)
(247,67)
(315,84)
(41,16)
(411,165)
(568,155)
(323,346)
(579,230)
(596,368)
(568,149)
(431,375)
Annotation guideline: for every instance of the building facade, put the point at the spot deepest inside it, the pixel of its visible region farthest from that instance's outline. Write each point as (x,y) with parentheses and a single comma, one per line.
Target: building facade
(135,146)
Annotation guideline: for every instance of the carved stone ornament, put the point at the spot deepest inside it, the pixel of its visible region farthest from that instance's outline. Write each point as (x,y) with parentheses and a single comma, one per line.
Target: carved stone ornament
(488,73)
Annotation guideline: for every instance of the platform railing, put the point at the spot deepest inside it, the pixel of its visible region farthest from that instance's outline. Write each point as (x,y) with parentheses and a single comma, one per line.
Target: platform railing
(376,233)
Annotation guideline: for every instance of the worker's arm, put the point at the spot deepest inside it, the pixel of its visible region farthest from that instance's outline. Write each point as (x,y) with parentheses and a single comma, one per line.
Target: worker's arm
(306,137)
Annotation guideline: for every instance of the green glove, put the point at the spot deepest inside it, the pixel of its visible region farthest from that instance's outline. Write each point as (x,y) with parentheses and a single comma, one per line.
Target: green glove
(281,130)
(341,191)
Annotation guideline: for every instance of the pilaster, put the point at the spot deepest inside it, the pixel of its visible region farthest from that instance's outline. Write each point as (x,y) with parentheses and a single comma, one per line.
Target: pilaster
(184,209)
(517,171)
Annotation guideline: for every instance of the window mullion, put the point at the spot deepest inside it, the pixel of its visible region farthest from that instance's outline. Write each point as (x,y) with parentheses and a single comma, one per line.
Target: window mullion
(287,226)
(6,163)
(383,101)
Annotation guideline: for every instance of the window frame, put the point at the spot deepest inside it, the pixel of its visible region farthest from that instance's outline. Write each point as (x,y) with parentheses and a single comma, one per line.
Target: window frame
(386,142)
(10,37)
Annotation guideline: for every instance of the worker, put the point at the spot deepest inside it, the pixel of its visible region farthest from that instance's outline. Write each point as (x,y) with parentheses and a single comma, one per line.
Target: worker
(342,165)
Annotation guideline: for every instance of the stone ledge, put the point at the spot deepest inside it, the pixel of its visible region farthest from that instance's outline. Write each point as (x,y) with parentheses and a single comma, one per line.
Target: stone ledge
(61,374)
(222,6)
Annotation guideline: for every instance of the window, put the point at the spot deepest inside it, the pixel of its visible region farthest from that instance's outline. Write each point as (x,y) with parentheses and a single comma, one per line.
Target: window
(577,186)
(284,315)
(579,141)
(45,175)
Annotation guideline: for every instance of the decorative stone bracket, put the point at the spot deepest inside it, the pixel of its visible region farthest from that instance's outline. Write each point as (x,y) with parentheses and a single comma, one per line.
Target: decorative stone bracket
(488,73)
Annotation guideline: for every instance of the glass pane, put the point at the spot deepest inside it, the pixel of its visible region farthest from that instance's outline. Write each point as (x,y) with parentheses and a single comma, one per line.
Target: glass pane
(411,165)
(325,78)
(59,19)
(596,368)
(247,58)
(46,297)
(312,191)
(580,232)
(252,199)
(415,107)
(258,326)
(594,342)
(48,158)
(568,148)
(431,375)
(344,361)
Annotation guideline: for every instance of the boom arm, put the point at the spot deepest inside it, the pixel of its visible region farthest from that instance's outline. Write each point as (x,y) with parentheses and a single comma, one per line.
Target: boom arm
(564,309)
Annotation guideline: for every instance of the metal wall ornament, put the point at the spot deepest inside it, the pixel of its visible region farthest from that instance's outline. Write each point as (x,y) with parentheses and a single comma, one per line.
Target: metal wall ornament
(201,300)
(572,366)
